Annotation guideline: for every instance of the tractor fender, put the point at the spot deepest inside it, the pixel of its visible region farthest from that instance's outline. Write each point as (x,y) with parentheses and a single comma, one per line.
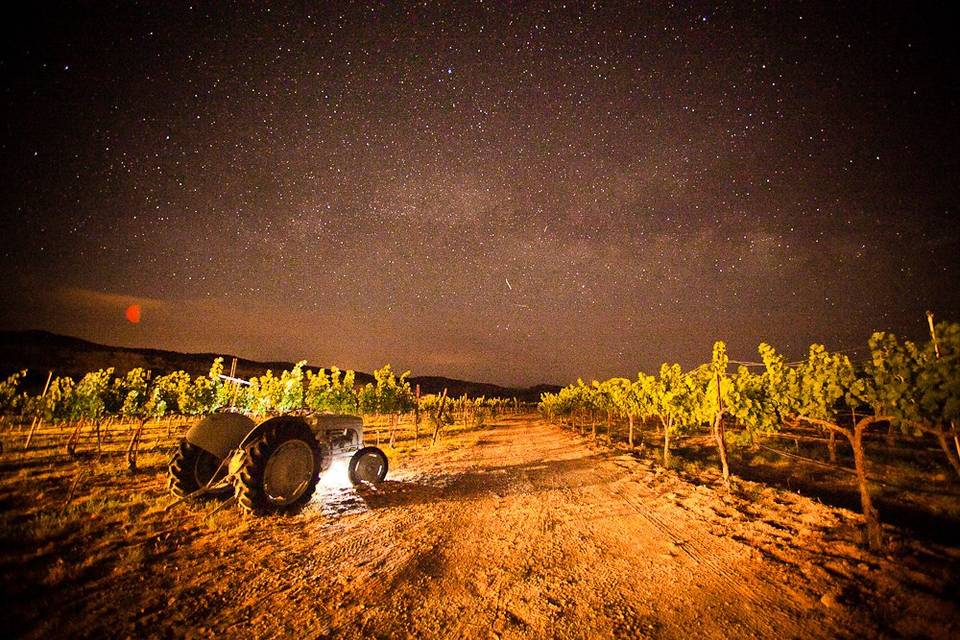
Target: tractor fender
(256,431)
(220,433)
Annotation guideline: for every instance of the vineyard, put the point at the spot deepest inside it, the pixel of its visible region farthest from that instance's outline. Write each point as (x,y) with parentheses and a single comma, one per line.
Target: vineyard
(90,408)
(630,507)
(912,391)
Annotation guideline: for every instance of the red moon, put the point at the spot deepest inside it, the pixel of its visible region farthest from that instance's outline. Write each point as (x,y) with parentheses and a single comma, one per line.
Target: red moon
(133,313)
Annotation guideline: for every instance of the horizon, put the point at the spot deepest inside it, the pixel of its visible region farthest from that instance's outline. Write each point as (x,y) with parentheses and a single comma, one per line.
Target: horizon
(241,358)
(518,197)
(269,360)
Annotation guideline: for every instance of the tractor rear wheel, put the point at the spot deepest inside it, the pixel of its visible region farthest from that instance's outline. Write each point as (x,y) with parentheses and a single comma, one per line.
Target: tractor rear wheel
(192,469)
(280,469)
(368,465)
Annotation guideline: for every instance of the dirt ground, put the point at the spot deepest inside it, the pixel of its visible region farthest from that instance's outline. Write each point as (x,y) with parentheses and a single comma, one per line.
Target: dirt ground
(515,530)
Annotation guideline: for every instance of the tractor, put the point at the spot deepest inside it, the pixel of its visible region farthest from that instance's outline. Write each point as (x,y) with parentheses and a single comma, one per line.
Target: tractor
(273,466)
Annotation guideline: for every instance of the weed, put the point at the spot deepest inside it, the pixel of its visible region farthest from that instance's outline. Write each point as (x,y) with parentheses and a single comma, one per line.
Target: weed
(132,558)
(58,573)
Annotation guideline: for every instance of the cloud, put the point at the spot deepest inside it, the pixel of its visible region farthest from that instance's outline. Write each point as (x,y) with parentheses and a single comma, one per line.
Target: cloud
(80,299)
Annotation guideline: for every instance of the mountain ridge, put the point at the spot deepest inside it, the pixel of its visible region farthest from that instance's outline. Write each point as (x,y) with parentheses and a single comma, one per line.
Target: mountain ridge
(40,351)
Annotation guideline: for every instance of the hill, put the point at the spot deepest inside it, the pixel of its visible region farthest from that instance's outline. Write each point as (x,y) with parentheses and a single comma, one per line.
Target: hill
(42,351)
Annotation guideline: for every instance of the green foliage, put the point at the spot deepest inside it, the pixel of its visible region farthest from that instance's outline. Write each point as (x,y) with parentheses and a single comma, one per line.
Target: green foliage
(136,396)
(264,394)
(205,394)
(389,393)
(291,389)
(59,404)
(817,388)
(171,389)
(935,398)
(367,402)
(569,401)
(611,395)
(716,394)
(328,393)
(678,398)
(887,380)
(430,404)
(750,404)
(494,406)
(916,387)
(94,394)
(11,399)
(641,401)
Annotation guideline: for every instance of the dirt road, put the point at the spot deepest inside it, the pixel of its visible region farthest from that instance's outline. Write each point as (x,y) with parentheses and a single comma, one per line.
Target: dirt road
(520,530)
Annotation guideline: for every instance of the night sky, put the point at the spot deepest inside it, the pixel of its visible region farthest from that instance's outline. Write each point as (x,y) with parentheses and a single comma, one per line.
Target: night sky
(515,193)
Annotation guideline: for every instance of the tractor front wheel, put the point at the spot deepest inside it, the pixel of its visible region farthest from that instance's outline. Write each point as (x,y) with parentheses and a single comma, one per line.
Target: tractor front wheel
(368,465)
(280,469)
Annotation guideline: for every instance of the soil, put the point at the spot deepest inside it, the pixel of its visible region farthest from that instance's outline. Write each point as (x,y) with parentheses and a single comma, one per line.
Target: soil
(518,529)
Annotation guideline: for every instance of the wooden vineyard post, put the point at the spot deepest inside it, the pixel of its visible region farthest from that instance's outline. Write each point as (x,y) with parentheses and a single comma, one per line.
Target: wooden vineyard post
(439,418)
(233,381)
(38,418)
(416,417)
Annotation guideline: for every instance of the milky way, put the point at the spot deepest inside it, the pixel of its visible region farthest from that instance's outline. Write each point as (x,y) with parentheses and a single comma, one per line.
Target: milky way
(515,193)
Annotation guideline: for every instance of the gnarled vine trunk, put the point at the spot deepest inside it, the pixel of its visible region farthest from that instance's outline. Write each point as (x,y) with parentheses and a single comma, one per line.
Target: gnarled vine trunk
(870,514)
(74,439)
(718,437)
(438,422)
(134,447)
(667,427)
(416,416)
(394,421)
(948,451)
